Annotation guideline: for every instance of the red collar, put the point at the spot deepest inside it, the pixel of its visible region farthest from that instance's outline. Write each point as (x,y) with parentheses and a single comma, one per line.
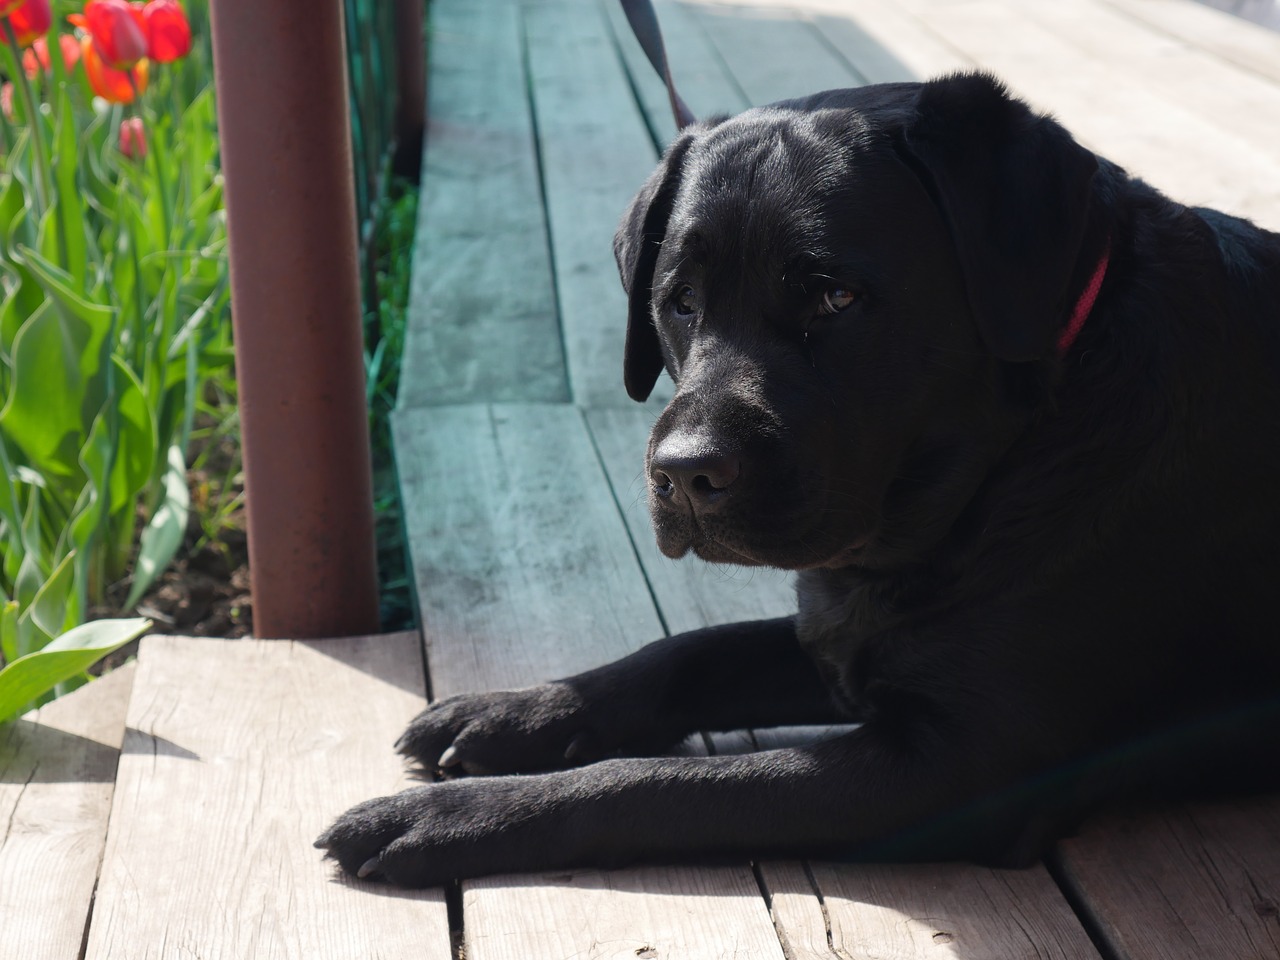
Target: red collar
(1085,304)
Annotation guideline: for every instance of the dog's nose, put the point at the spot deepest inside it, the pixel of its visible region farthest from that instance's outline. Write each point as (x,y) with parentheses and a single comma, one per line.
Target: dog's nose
(686,468)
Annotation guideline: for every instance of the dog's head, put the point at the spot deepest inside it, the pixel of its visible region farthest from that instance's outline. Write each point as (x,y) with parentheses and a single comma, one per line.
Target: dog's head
(840,288)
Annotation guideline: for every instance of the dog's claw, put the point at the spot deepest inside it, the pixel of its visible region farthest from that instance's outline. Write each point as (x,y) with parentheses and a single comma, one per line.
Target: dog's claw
(577,748)
(370,867)
(449,758)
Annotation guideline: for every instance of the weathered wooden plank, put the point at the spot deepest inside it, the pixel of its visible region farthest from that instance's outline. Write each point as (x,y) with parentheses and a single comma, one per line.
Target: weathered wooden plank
(523,568)
(526,572)
(1231,38)
(910,911)
(705,913)
(1185,883)
(690,593)
(1229,97)
(700,74)
(884,43)
(1160,140)
(237,755)
(57,775)
(596,152)
(774,54)
(482,322)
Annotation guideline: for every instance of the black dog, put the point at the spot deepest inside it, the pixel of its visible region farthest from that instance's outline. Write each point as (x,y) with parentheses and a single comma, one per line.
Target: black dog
(1015,417)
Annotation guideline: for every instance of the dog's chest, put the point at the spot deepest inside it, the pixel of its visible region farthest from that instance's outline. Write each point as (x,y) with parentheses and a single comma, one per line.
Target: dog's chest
(840,611)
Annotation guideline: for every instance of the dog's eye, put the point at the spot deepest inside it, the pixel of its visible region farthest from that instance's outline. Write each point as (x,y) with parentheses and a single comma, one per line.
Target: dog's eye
(836,299)
(685,303)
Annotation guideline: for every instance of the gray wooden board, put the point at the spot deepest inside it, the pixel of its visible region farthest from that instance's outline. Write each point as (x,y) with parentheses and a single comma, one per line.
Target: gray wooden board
(909,911)
(700,75)
(596,152)
(1228,96)
(884,42)
(57,775)
(482,322)
(1122,117)
(915,911)
(526,572)
(237,754)
(1231,38)
(1185,883)
(690,593)
(774,54)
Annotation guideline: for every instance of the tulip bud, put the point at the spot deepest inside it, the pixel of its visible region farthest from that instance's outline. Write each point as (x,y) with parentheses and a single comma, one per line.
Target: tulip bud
(133,138)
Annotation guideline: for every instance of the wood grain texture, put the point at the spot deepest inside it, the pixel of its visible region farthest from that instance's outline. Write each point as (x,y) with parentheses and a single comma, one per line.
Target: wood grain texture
(690,593)
(596,153)
(700,75)
(1127,119)
(482,322)
(705,913)
(1228,37)
(773,53)
(523,567)
(57,776)
(1230,97)
(1183,884)
(237,755)
(883,42)
(526,572)
(914,911)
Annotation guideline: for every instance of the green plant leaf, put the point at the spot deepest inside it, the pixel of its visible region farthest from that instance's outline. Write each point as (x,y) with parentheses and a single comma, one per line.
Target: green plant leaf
(27,677)
(49,608)
(163,535)
(9,631)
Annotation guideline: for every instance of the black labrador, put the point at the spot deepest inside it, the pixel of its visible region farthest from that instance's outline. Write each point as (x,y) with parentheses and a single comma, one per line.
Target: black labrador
(1014,417)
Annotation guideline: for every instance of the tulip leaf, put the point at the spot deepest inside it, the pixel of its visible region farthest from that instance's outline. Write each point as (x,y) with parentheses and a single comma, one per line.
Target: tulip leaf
(34,674)
(163,535)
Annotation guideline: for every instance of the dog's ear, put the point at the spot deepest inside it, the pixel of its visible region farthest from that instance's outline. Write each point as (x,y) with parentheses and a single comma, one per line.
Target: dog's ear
(1015,189)
(635,247)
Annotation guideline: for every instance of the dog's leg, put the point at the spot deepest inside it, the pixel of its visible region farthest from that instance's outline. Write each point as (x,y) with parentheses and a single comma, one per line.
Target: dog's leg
(830,799)
(721,678)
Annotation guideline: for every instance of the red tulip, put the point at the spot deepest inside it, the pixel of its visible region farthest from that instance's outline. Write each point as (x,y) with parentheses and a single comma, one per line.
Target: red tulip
(168,32)
(8,6)
(31,20)
(37,58)
(133,138)
(118,31)
(106,81)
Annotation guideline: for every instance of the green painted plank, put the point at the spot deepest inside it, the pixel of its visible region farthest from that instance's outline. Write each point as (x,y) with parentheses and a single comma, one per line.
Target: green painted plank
(596,152)
(523,567)
(689,592)
(526,572)
(482,314)
(701,76)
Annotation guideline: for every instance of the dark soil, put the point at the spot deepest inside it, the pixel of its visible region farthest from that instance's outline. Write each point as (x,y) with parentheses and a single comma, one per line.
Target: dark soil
(205,591)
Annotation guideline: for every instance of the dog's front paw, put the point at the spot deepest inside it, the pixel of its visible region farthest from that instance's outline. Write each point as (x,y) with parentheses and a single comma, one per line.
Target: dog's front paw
(430,835)
(540,728)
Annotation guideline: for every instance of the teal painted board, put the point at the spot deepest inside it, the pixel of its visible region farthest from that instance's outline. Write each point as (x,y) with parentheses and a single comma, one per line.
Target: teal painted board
(596,152)
(482,313)
(524,569)
(701,77)
(690,593)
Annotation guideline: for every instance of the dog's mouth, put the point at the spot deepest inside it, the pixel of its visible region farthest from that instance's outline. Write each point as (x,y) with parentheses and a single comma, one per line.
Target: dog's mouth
(677,539)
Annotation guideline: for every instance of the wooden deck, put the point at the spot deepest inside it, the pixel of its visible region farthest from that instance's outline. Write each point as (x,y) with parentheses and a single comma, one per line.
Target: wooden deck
(168,812)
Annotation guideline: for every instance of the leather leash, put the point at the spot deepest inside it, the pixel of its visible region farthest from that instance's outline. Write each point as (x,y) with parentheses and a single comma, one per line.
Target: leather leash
(644,24)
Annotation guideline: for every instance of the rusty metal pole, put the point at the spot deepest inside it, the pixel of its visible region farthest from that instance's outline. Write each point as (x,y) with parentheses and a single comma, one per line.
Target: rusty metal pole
(280,68)
(411,85)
